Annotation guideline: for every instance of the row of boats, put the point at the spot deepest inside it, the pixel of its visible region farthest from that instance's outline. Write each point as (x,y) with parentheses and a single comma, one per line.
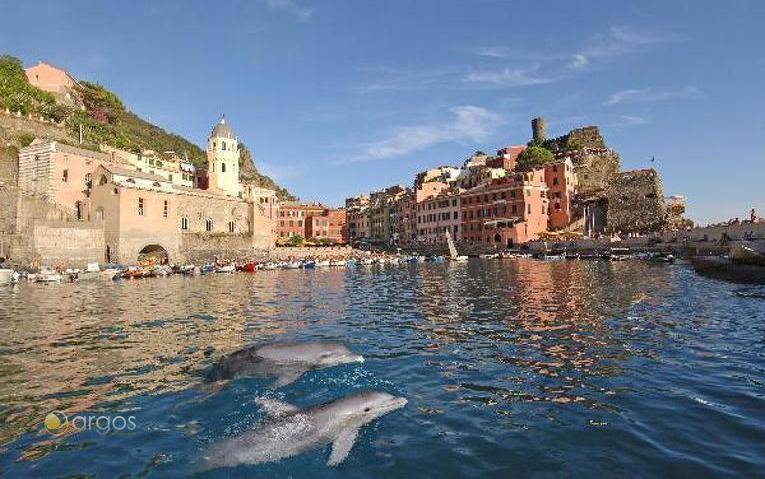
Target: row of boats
(94,271)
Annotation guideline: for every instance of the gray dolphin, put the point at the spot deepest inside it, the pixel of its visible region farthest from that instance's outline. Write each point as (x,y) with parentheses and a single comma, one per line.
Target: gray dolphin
(289,431)
(284,361)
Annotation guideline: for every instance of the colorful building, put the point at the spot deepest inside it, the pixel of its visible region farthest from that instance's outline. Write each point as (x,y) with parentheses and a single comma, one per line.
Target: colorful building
(140,212)
(506,212)
(438,214)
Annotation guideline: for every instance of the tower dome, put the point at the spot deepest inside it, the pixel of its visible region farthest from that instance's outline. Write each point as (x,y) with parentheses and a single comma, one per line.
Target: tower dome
(222,130)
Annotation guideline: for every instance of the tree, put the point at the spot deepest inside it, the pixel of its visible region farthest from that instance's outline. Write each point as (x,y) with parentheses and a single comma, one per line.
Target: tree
(534,157)
(295,240)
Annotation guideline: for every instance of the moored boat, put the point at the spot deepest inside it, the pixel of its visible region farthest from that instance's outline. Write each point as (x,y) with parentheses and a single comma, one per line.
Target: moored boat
(6,276)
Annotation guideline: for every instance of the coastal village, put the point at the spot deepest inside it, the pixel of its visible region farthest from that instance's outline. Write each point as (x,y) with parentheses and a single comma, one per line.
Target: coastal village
(66,206)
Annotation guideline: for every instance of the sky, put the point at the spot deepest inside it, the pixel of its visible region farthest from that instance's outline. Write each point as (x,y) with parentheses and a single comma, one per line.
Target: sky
(340,97)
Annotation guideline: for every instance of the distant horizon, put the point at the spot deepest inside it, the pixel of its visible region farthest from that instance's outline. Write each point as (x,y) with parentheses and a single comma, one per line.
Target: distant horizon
(336,100)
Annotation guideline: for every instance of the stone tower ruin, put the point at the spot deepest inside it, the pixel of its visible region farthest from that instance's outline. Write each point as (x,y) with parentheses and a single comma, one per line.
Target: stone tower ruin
(538,130)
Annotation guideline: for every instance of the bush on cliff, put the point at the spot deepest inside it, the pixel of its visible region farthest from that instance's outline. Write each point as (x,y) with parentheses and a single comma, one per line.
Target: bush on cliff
(16,94)
(534,157)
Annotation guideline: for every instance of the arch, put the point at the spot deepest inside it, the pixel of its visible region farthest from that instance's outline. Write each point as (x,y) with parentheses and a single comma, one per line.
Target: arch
(154,253)
(497,238)
(103,180)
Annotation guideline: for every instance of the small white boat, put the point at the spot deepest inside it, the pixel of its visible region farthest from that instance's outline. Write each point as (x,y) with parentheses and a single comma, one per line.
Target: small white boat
(268,266)
(293,265)
(453,255)
(6,276)
(48,276)
(366,261)
(338,262)
(323,263)
(225,269)
(108,273)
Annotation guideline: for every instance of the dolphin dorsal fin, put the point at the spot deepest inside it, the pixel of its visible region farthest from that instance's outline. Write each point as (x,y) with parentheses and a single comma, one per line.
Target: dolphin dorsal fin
(274,407)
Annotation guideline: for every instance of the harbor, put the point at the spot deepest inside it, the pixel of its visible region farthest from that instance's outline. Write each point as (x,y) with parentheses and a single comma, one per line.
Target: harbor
(495,357)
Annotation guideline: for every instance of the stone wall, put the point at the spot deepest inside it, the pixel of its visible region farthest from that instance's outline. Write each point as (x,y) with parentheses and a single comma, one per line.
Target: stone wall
(713,234)
(595,171)
(586,137)
(636,203)
(9,166)
(11,126)
(68,244)
(283,253)
(198,248)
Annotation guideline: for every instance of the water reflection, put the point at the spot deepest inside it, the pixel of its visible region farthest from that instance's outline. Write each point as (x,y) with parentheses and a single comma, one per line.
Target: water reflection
(481,350)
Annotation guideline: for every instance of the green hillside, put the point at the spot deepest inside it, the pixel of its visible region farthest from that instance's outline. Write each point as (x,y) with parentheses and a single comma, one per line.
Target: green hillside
(104,120)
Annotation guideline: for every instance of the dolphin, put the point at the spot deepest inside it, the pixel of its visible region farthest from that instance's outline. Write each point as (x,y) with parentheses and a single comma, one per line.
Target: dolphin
(288,431)
(283,361)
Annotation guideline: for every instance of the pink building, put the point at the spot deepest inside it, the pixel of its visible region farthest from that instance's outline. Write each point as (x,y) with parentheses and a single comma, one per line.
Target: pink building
(506,212)
(506,157)
(438,214)
(54,80)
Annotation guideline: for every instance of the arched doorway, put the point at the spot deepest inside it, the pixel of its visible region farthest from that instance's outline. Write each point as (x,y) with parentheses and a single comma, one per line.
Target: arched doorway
(154,254)
(497,238)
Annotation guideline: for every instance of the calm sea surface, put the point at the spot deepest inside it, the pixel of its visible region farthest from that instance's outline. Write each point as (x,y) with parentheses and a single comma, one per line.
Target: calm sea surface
(512,368)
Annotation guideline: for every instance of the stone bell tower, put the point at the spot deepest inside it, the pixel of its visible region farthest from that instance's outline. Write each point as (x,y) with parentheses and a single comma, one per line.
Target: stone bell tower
(223,159)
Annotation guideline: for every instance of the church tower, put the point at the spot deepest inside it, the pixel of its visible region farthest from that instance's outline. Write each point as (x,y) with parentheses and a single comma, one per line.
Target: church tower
(223,160)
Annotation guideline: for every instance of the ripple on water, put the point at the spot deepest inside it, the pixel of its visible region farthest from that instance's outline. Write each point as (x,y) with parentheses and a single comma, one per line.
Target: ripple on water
(582,366)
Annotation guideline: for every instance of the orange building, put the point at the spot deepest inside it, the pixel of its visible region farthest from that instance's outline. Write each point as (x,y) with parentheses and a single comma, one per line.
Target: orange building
(561,181)
(327,224)
(506,212)
(54,80)
(310,220)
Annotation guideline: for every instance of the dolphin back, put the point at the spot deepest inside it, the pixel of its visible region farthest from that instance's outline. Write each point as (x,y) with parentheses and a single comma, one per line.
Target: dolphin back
(235,363)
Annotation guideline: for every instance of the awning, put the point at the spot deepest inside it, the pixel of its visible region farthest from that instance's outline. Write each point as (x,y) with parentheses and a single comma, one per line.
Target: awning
(500,222)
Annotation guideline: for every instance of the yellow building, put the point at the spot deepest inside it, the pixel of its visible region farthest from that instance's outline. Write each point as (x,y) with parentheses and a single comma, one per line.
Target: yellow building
(223,160)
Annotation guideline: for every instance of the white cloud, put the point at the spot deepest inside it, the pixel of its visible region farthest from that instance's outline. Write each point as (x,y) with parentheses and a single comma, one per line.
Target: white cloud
(303,14)
(469,123)
(511,53)
(628,120)
(619,41)
(579,61)
(396,79)
(509,77)
(647,94)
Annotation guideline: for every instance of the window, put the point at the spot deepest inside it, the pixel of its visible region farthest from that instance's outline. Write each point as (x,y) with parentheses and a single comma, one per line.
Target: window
(65,176)
(230,226)
(223,145)
(529,208)
(165,208)
(140,207)
(555,180)
(100,214)
(222,167)
(184,223)
(170,178)
(208,224)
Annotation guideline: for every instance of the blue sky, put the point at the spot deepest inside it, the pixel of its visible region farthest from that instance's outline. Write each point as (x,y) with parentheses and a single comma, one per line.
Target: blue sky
(337,98)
